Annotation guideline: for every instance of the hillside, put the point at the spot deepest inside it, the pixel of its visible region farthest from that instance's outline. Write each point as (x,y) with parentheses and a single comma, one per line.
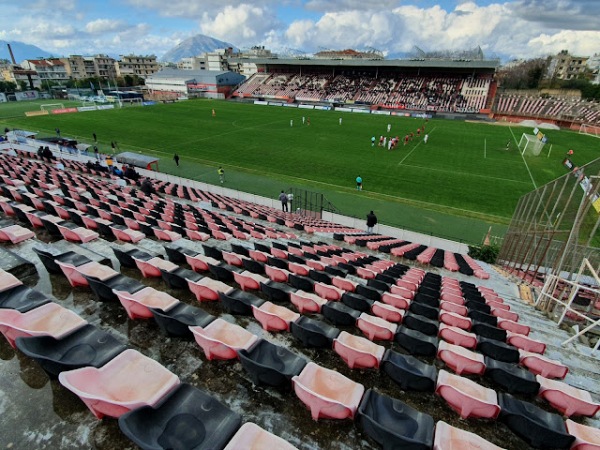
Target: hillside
(194,46)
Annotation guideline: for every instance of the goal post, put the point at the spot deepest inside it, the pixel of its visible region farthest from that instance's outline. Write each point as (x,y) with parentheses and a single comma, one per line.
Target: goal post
(529,144)
(51,106)
(589,130)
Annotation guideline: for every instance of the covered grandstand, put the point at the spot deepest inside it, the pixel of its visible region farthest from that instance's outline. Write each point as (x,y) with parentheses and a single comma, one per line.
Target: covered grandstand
(437,86)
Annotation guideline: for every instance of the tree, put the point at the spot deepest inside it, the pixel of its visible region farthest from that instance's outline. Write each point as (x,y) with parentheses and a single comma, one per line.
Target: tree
(7,86)
(526,74)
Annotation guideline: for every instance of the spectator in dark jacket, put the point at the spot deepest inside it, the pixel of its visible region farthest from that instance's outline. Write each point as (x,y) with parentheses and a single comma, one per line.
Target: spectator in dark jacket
(371,221)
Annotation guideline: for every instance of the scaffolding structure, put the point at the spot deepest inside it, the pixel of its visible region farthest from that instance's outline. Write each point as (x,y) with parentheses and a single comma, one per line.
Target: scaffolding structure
(553,231)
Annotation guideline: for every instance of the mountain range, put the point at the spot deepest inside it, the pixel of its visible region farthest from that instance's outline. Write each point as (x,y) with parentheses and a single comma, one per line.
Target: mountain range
(21,51)
(194,46)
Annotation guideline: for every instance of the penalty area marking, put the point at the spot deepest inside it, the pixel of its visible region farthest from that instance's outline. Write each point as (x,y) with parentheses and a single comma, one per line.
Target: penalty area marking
(413,149)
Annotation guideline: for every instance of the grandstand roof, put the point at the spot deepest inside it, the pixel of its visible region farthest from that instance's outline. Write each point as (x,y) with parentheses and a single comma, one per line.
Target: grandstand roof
(491,64)
(225,77)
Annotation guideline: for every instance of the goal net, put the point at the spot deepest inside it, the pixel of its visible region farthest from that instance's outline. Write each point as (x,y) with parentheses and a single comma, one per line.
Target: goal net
(590,130)
(530,145)
(51,106)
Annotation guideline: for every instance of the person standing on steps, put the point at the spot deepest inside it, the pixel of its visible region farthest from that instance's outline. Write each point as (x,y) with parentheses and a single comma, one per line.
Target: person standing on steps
(283,198)
(176,159)
(371,221)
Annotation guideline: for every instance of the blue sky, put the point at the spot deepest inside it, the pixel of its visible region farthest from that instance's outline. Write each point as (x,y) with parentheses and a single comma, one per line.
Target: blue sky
(506,29)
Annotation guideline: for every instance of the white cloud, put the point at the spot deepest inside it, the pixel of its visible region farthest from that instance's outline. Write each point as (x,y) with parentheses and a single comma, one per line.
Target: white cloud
(100,26)
(239,24)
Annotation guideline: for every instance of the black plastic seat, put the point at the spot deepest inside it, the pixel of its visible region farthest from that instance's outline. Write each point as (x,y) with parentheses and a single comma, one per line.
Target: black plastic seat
(379,285)
(125,257)
(177,278)
(103,289)
(421,323)
(313,333)
(296,259)
(409,372)
(369,292)
(175,321)
(176,254)
(415,342)
(188,418)
(223,271)
(498,350)
(212,252)
(22,298)
(488,331)
(49,255)
(336,271)
(302,283)
(277,262)
(271,364)
(394,424)
(537,427)
(87,346)
(424,310)
(483,317)
(515,379)
(340,314)
(387,278)
(319,276)
(253,266)
(240,250)
(358,302)
(239,302)
(262,247)
(276,292)
(477,306)
(426,299)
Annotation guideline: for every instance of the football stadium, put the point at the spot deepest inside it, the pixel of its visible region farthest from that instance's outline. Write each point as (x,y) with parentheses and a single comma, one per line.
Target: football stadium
(200,272)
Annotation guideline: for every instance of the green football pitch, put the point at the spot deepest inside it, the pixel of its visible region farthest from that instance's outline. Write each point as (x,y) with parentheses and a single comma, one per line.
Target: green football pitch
(457,185)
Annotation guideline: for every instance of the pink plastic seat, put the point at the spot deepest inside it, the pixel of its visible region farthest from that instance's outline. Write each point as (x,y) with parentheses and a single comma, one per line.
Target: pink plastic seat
(526,343)
(15,234)
(466,397)
(461,360)
(402,292)
(388,312)
(450,438)
(152,267)
(137,304)
(397,301)
(221,340)
(457,336)
(273,317)
(307,301)
(259,256)
(540,365)
(504,314)
(249,281)
(328,292)
(197,235)
(513,327)
(327,393)
(8,281)
(253,437)
(75,274)
(455,320)
(276,274)
(166,235)
(365,273)
(129,381)
(127,235)
(344,284)
(233,259)
(50,319)
(79,234)
(567,399)
(453,307)
(199,262)
(358,352)
(586,438)
(299,269)
(376,328)
(207,289)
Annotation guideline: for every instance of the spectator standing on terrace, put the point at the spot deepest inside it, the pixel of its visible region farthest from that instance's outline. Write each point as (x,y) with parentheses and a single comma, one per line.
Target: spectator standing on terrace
(290,198)
(358,183)
(283,198)
(96,152)
(176,159)
(371,221)
(221,173)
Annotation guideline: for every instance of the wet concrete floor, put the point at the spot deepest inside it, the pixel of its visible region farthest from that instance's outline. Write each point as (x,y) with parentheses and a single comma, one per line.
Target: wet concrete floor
(38,413)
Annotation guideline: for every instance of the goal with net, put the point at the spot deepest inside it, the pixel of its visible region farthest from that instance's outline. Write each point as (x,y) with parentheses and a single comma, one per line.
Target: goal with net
(530,145)
(590,130)
(51,106)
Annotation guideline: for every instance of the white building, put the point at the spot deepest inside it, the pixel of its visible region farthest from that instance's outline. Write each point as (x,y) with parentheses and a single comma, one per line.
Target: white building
(202,83)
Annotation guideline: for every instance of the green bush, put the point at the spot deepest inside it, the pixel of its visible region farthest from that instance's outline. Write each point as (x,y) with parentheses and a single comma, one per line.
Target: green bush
(485,253)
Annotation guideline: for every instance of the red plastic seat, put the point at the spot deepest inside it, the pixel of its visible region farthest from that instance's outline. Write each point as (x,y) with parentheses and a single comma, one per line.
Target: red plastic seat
(388,312)
(251,436)
(457,336)
(540,365)
(376,328)
(15,234)
(307,301)
(139,303)
(466,397)
(221,340)
(461,360)
(567,399)
(274,317)
(586,438)
(450,438)
(207,289)
(358,352)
